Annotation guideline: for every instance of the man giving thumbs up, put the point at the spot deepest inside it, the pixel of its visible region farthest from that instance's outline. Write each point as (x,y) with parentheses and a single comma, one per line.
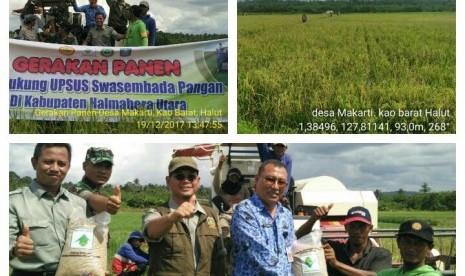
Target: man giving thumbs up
(97,166)
(39,213)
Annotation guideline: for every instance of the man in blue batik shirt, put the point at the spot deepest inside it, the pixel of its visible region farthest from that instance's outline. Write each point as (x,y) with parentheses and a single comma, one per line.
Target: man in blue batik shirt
(90,11)
(262,230)
(277,151)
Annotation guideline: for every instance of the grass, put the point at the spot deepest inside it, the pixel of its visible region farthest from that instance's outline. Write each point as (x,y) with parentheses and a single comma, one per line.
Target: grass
(287,70)
(128,220)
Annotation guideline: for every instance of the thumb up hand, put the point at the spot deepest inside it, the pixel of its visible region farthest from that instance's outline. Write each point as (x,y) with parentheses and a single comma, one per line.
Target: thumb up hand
(114,201)
(24,243)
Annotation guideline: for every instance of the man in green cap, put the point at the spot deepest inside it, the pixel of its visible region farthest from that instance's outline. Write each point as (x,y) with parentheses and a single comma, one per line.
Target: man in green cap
(97,167)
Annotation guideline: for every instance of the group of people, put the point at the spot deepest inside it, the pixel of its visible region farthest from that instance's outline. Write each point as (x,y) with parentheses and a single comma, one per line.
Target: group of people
(127,25)
(185,237)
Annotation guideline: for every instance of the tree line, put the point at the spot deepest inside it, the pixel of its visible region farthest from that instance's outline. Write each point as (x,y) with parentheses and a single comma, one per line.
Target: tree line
(136,195)
(341,6)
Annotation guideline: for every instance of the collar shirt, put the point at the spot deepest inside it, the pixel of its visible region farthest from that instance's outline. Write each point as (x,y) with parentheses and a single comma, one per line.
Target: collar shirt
(374,258)
(266,154)
(191,224)
(89,12)
(47,217)
(101,36)
(260,242)
(425,270)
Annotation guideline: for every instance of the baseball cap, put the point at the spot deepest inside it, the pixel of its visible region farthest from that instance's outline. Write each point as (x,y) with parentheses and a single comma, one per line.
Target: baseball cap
(358,213)
(144,3)
(97,155)
(417,228)
(178,162)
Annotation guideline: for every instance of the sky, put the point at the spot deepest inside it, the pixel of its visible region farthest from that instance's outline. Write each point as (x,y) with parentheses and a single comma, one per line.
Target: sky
(387,167)
(173,16)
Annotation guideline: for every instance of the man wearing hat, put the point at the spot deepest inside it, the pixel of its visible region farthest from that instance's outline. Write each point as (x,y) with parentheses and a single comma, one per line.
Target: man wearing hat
(149,21)
(415,241)
(277,151)
(130,259)
(358,255)
(97,166)
(183,236)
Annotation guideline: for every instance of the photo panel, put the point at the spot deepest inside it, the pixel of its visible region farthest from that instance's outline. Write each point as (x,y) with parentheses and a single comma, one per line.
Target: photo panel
(388,183)
(139,68)
(346,67)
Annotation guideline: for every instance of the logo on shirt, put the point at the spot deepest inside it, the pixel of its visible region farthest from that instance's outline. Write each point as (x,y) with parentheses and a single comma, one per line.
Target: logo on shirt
(211,223)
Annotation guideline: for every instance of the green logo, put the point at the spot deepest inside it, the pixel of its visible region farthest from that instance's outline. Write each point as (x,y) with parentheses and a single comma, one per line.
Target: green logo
(308,261)
(83,240)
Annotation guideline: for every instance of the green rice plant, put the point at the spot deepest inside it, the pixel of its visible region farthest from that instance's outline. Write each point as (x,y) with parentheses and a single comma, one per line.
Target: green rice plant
(287,70)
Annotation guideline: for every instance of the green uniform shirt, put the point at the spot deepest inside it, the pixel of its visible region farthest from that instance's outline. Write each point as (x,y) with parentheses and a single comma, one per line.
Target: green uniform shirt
(47,217)
(137,34)
(425,270)
(84,189)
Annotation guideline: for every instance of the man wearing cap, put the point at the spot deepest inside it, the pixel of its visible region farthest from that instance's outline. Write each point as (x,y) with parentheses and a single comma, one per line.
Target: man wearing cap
(130,259)
(183,236)
(120,12)
(357,255)
(149,21)
(415,241)
(97,167)
(277,151)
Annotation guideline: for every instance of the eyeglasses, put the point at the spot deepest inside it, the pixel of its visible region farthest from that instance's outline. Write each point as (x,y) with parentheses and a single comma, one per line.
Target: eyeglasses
(270,180)
(181,176)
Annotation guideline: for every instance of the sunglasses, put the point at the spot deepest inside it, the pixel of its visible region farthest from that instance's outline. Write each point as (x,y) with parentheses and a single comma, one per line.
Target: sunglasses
(181,176)
(271,180)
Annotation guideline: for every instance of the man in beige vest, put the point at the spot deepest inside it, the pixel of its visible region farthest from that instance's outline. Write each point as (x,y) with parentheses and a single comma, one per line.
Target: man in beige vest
(183,236)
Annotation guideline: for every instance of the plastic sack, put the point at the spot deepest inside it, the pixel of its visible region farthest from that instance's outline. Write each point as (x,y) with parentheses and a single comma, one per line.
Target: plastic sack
(85,250)
(309,256)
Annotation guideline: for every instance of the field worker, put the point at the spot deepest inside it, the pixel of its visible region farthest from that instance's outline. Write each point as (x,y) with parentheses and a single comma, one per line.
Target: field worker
(130,259)
(262,230)
(39,213)
(183,236)
(277,151)
(232,191)
(357,255)
(415,241)
(137,32)
(97,166)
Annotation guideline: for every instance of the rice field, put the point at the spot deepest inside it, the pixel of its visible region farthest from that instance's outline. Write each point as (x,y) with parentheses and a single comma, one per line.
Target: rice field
(354,73)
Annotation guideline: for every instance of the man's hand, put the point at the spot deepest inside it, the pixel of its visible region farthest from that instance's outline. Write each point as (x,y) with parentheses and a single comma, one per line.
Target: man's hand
(330,255)
(114,201)
(321,211)
(24,244)
(222,159)
(185,210)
